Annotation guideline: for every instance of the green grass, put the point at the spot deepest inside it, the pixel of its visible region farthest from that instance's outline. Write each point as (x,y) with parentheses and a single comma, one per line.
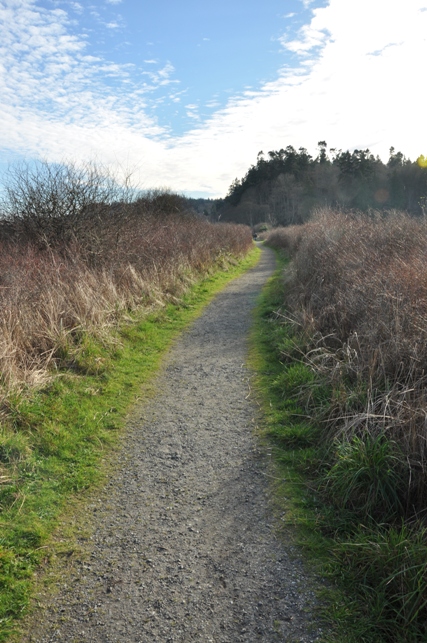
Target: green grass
(56,443)
(343,498)
(285,424)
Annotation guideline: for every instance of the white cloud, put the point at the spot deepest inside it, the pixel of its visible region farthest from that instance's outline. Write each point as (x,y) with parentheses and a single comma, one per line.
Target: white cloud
(310,37)
(77,7)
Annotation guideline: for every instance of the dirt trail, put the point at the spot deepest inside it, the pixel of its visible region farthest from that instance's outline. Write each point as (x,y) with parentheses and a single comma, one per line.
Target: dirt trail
(184,548)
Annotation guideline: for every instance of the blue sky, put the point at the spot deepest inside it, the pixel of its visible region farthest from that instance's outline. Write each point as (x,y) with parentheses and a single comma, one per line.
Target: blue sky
(185,93)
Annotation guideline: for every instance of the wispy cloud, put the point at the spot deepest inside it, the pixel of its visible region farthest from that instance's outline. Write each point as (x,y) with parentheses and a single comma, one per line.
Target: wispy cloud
(77,7)
(192,111)
(161,77)
(48,75)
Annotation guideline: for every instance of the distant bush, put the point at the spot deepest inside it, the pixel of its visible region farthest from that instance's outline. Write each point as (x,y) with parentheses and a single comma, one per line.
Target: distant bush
(161,202)
(286,239)
(262,227)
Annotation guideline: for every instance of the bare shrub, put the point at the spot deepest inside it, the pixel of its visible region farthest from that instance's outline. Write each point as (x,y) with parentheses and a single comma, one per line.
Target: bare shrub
(286,239)
(161,202)
(56,204)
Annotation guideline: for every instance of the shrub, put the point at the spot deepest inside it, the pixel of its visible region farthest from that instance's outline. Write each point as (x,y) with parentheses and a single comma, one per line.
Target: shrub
(56,204)
(286,239)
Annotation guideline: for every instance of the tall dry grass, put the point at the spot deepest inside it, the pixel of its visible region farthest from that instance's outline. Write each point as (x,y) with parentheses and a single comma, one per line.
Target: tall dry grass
(53,295)
(358,289)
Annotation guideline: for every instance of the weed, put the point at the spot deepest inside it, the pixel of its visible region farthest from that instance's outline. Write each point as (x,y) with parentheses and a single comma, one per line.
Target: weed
(367,476)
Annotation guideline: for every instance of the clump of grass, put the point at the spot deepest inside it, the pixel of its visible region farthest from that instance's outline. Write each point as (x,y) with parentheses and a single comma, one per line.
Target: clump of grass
(389,567)
(367,477)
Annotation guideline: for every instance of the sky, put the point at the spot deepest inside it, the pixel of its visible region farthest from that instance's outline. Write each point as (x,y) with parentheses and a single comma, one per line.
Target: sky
(183,94)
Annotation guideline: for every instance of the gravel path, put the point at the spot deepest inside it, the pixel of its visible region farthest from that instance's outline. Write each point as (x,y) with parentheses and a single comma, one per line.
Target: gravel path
(184,548)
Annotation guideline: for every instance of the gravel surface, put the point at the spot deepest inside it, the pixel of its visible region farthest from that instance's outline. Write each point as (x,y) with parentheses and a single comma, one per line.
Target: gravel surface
(184,547)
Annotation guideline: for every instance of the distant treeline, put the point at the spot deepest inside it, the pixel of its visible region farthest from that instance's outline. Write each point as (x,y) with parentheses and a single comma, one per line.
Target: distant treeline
(284,186)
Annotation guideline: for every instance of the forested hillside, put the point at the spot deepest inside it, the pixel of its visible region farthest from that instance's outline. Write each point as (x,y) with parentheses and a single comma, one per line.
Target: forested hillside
(283,186)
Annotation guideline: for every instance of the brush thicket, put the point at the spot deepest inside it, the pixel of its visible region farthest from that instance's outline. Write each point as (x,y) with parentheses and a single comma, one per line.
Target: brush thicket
(358,289)
(78,252)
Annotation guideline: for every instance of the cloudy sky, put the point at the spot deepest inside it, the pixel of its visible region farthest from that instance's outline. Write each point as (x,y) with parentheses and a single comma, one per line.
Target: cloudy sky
(185,93)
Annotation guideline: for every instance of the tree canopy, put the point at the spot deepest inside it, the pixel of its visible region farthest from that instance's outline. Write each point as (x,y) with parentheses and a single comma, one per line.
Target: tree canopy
(284,186)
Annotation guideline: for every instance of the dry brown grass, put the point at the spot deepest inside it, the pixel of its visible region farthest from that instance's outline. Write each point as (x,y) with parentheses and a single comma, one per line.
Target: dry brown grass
(286,239)
(359,288)
(51,297)
(79,249)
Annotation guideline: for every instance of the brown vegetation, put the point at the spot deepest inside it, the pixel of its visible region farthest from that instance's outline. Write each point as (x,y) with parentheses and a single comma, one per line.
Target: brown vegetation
(77,253)
(358,288)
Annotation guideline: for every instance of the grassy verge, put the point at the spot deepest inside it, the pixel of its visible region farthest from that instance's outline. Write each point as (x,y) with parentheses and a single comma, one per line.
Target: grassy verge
(293,439)
(56,442)
(291,434)
(376,569)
